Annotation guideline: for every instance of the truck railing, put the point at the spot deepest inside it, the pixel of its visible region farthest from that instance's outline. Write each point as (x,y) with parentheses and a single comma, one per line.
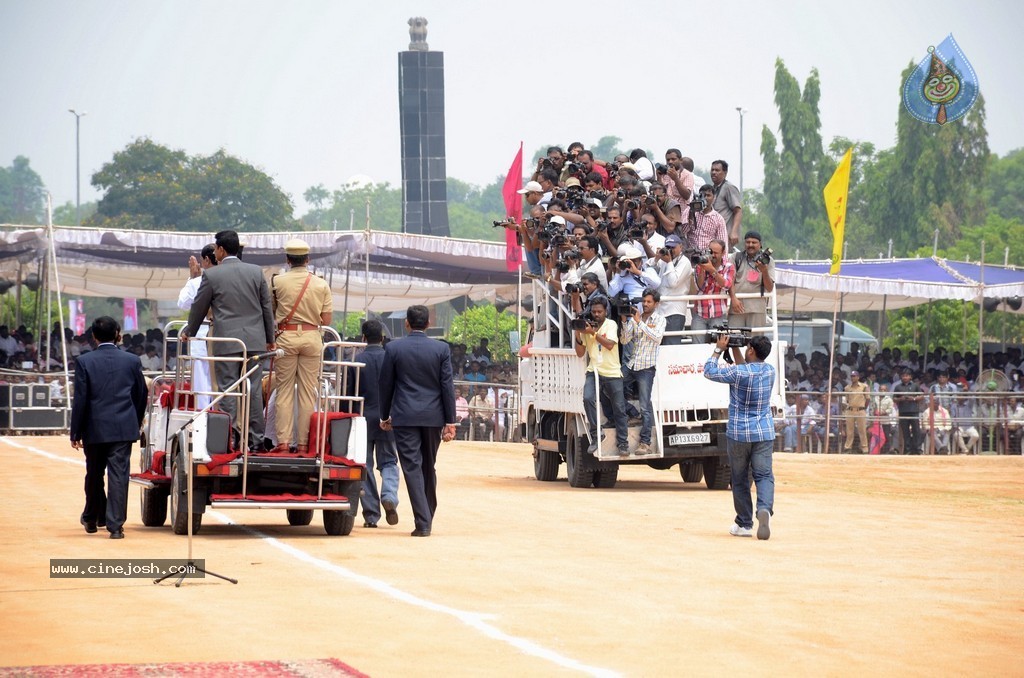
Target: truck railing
(339,380)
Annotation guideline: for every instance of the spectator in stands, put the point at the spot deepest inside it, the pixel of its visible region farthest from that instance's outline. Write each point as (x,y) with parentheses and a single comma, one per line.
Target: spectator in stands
(482,353)
(965,422)
(908,397)
(789,424)
(8,345)
(474,375)
(936,422)
(481,413)
(151,362)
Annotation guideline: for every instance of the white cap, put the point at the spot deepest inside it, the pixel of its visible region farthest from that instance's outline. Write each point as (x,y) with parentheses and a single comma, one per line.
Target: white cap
(531,187)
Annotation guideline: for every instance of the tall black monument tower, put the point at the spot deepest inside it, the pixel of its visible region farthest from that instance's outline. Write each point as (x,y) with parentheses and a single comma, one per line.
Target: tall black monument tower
(421,101)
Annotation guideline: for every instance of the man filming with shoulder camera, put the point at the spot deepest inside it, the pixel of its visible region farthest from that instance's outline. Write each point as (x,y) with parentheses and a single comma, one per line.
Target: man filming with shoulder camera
(755,274)
(750,431)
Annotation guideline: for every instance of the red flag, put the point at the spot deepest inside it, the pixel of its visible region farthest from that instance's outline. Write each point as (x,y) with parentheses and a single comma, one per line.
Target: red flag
(513,208)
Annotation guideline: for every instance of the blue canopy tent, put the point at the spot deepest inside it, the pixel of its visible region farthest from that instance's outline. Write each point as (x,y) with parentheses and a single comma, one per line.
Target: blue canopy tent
(884,284)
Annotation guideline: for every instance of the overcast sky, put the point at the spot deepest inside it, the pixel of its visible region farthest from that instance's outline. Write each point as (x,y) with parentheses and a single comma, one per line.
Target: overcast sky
(308,91)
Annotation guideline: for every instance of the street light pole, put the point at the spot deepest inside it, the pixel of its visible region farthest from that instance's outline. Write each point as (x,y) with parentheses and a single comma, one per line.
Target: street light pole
(78,166)
(739,109)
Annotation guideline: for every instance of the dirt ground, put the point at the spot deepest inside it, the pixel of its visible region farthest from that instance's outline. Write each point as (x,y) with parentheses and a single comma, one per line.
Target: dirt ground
(876,566)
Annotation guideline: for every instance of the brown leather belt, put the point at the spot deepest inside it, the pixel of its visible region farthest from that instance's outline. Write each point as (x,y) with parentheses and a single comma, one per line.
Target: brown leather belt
(297,326)
(858,408)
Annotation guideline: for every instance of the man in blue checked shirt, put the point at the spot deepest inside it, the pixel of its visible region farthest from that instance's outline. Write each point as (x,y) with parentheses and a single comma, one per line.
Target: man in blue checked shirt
(750,433)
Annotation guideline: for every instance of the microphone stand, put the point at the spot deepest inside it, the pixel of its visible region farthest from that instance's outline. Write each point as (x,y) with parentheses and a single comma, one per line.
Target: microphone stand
(191,566)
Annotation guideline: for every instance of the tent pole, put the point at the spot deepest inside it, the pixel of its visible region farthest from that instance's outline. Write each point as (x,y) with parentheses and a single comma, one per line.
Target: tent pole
(17,295)
(366,264)
(60,301)
(981,309)
(792,317)
(881,319)
(344,312)
(831,369)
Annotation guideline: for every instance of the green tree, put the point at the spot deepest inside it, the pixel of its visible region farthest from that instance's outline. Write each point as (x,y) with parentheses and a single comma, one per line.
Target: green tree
(795,174)
(607,148)
(316,196)
(147,185)
(1004,190)
(64,215)
(485,322)
(22,194)
(349,203)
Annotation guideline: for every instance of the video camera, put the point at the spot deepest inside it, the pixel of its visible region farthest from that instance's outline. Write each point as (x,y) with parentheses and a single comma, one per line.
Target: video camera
(582,322)
(698,205)
(624,305)
(739,337)
(660,168)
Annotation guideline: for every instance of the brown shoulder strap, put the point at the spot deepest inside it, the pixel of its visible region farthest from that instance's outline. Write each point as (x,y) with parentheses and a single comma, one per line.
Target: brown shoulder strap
(309,276)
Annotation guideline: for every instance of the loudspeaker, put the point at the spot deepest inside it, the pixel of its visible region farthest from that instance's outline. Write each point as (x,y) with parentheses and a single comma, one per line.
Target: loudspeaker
(40,395)
(21,395)
(38,419)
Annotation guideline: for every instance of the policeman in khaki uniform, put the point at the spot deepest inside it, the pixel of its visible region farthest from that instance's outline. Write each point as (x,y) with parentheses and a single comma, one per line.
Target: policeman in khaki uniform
(302,302)
(856,412)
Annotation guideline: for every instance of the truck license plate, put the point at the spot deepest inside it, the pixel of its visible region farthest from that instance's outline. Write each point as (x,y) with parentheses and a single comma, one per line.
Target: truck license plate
(689,439)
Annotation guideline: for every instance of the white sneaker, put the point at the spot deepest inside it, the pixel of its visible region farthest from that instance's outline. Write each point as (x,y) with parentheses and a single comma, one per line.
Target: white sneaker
(738,531)
(763,517)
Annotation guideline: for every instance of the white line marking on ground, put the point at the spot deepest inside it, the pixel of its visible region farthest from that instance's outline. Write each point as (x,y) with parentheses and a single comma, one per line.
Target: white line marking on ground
(474,620)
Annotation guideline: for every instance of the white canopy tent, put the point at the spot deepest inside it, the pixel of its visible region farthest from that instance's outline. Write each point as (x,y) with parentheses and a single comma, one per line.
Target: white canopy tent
(385,271)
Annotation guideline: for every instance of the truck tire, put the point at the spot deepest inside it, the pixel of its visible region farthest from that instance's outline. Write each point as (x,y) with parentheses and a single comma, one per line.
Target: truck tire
(716,473)
(339,522)
(299,517)
(179,512)
(692,471)
(575,449)
(153,505)
(606,478)
(545,465)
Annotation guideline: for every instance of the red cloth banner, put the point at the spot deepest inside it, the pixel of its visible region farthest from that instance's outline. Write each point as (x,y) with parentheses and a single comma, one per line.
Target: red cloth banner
(514,209)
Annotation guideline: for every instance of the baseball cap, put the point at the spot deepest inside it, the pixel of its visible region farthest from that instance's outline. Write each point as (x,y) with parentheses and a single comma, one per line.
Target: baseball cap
(673,240)
(531,187)
(854,373)
(557,220)
(572,181)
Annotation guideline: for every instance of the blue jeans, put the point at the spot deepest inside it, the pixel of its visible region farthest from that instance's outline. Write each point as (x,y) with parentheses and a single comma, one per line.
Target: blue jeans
(789,437)
(611,397)
(756,457)
(380,452)
(533,264)
(675,323)
(644,381)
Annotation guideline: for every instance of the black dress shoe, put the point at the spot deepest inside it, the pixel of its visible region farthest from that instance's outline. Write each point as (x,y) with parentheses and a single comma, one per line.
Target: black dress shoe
(90,526)
(119,534)
(369,524)
(421,533)
(390,512)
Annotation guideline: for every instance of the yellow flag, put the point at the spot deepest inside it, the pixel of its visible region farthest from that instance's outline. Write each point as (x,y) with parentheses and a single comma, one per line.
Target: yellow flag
(836,192)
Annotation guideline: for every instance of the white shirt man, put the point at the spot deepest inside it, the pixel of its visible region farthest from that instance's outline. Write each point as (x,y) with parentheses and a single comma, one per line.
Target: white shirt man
(676,274)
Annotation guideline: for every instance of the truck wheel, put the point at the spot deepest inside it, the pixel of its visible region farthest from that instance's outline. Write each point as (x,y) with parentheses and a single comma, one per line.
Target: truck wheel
(716,473)
(179,511)
(606,478)
(575,448)
(339,522)
(545,465)
(691,471)
(299,516)
(154,506)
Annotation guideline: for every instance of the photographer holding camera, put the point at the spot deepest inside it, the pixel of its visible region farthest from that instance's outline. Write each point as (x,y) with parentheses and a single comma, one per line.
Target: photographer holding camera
(633,274)
(704,223)
(590,260)
(713,275)
(750,432)
(677,180)
(755,273)
(585,293)
(666,210)
(676,278)
(555,159)
(643,331)
(598,340)
(612,231)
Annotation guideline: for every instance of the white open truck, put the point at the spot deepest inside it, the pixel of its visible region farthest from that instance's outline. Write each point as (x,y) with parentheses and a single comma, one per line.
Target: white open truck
(690,412)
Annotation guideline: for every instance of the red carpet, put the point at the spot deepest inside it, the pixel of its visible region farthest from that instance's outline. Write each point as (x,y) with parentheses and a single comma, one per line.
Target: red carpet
(301,668)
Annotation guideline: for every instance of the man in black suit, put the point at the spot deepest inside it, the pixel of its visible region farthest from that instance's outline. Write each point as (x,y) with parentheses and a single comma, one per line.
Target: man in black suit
(380,445)
(240,298)
(417,401)
(106,416)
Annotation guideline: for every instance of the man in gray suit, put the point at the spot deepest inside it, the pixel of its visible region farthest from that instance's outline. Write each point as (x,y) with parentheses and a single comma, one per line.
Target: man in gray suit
(240,298)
